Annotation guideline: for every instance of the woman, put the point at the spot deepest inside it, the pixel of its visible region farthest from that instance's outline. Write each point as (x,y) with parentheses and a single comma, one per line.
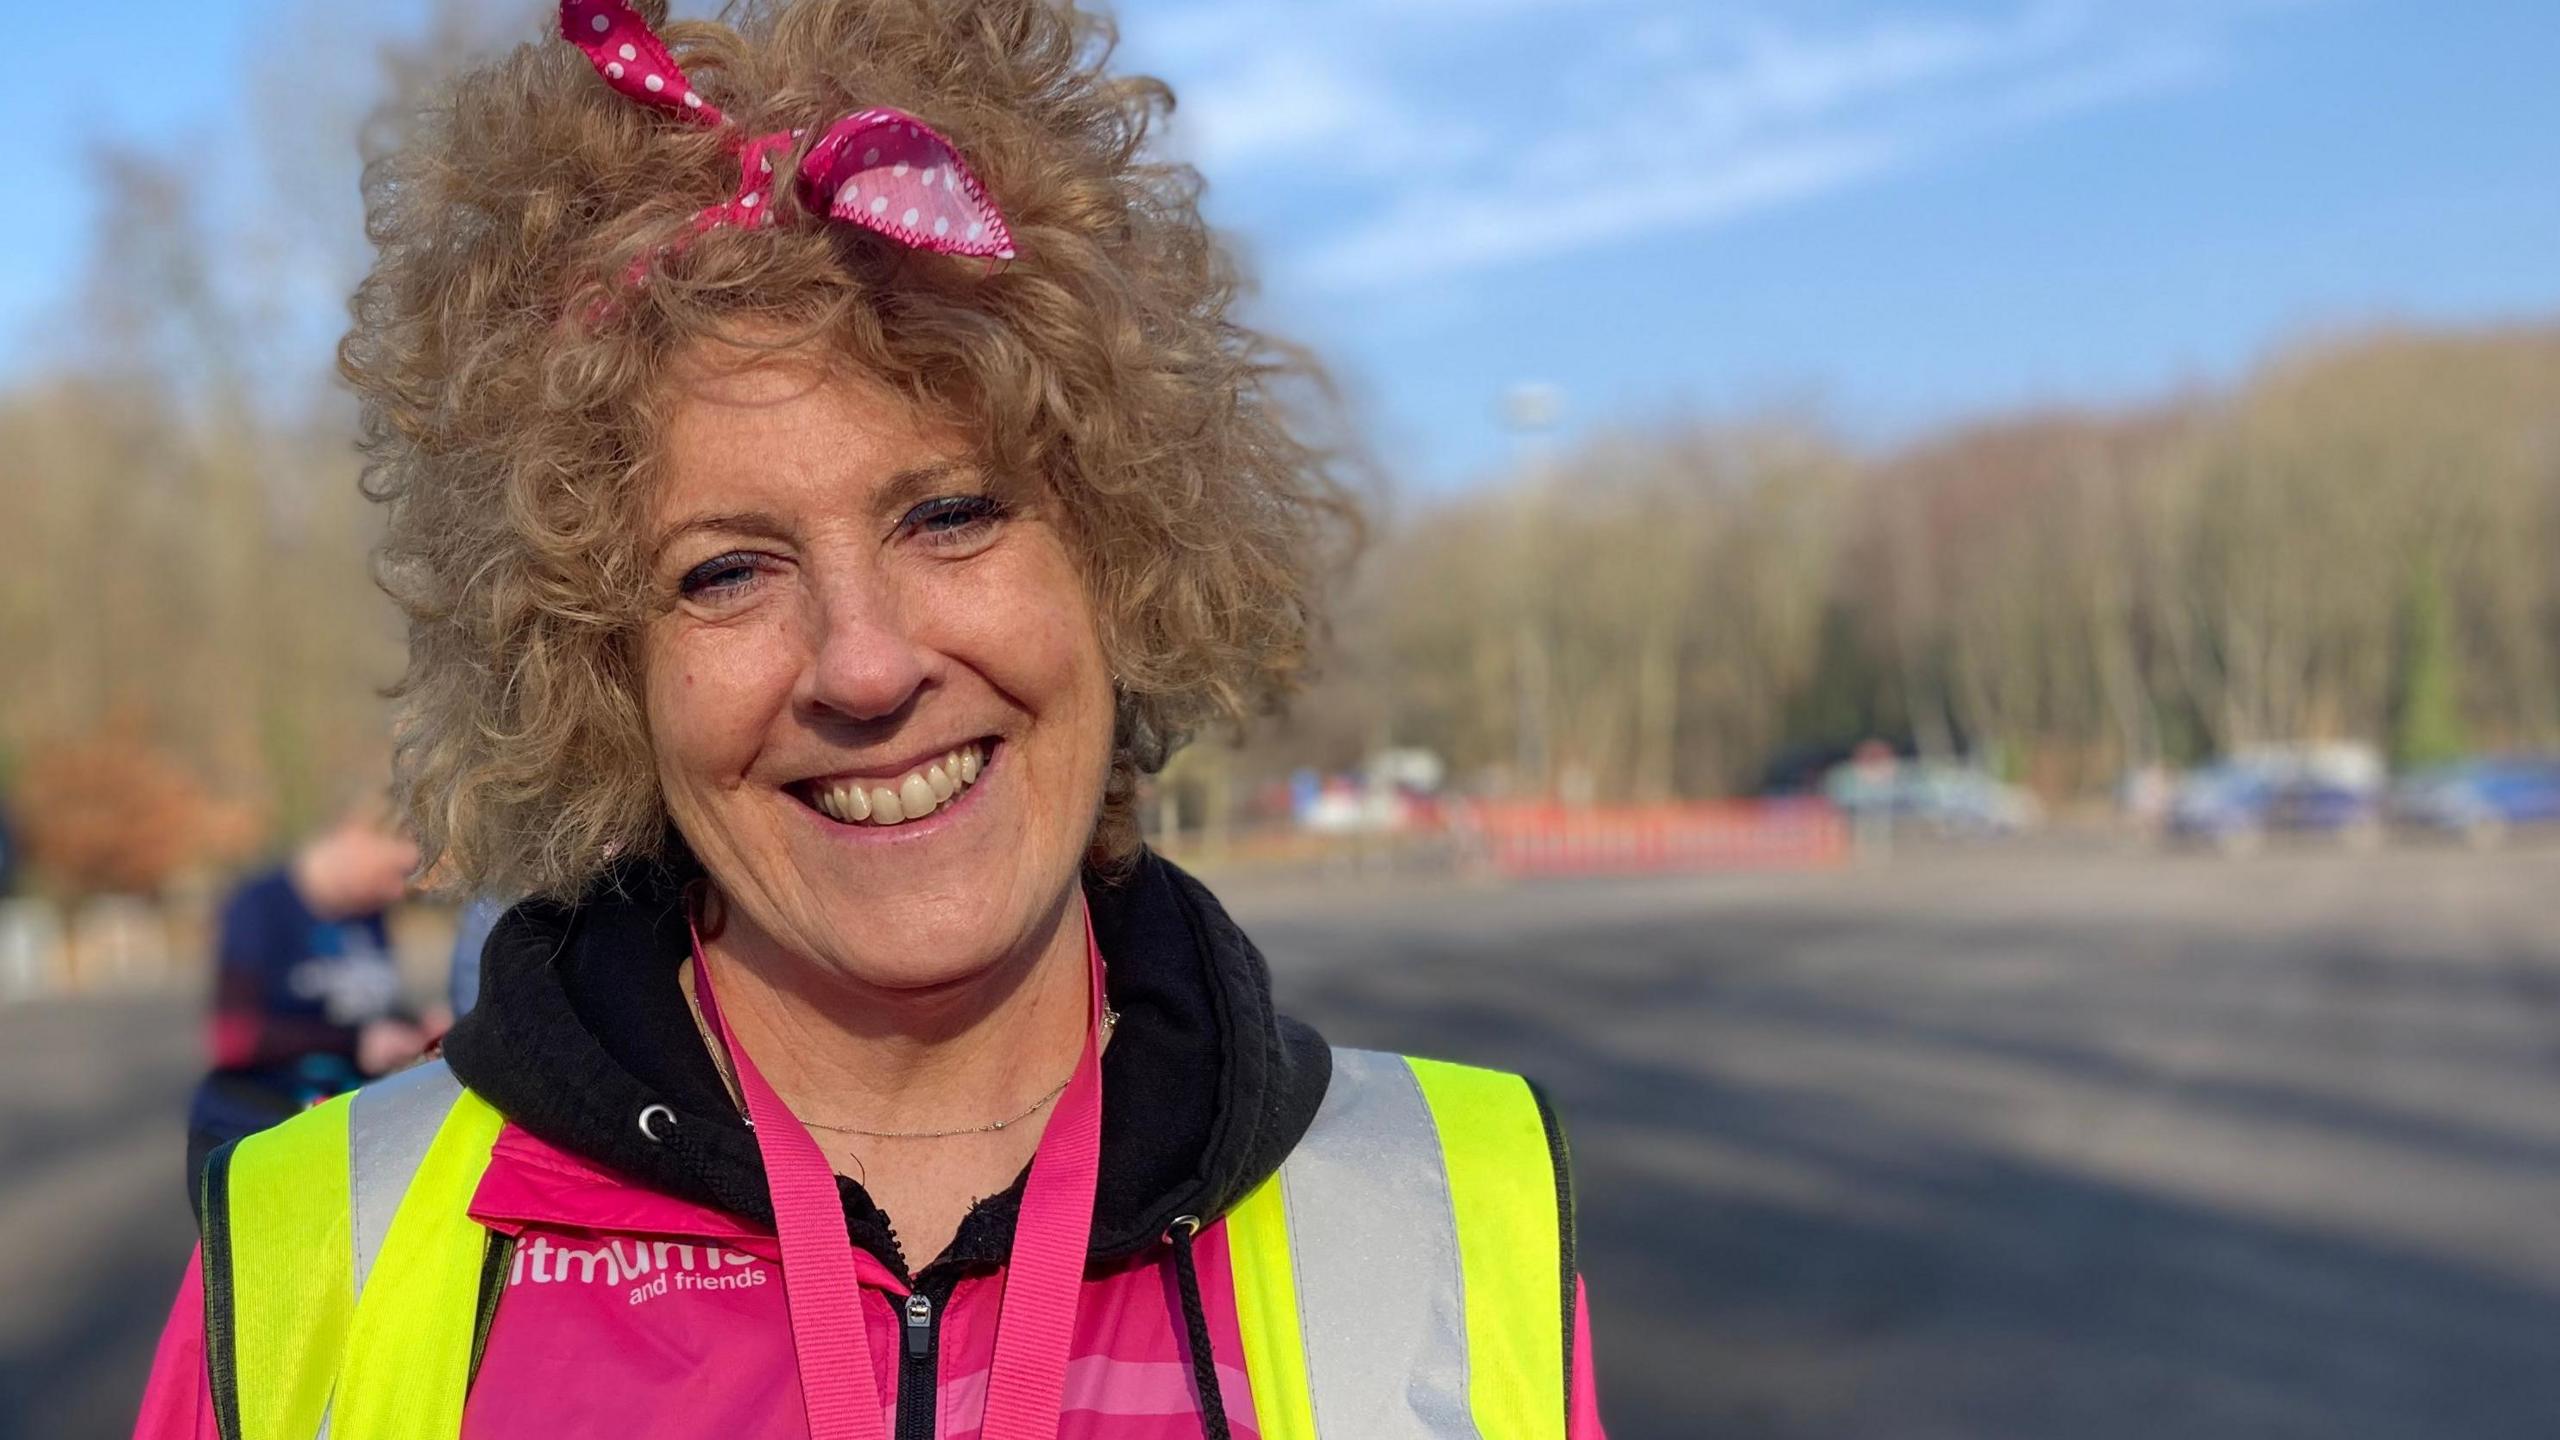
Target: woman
(798,584)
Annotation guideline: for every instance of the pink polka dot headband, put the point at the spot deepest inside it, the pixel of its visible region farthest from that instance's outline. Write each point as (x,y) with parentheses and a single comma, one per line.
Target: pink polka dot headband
(881,169)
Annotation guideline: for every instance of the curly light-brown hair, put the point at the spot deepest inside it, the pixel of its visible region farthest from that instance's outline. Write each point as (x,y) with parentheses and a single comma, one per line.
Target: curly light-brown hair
(513,390)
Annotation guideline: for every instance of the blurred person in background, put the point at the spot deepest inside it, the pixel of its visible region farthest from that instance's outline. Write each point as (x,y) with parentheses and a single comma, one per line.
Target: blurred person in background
(813,518)
(307,998)
(8,854)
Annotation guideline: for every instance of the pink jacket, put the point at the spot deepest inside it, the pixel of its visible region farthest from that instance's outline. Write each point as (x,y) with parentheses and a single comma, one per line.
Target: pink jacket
(632,1314)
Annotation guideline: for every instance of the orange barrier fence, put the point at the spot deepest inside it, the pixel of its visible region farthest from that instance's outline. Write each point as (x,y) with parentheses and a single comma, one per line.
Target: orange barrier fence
(1528,839)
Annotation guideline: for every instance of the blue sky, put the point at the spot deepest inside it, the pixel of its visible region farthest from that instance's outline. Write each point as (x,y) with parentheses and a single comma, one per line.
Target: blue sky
(1903,211)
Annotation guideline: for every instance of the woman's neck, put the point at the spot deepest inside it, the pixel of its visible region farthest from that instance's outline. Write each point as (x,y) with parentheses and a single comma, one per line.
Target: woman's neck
(841,1052)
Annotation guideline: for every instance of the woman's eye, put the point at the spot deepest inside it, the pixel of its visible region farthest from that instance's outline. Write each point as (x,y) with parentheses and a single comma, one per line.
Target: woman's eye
(721,575)
(954,520)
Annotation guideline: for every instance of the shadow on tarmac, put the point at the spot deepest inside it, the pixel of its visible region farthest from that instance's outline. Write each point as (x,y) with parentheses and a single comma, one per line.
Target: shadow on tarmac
(1896,1280)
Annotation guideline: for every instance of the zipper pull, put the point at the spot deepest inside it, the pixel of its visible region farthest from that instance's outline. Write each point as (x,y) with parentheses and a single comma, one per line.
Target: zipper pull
(919,1326)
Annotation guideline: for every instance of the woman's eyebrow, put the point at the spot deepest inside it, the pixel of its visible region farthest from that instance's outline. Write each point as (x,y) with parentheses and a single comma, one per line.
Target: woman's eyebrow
(905,487)
(754,524)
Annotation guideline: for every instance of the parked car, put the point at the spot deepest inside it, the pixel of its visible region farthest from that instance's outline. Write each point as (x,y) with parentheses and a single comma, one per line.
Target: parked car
(2329,790)
(1949,800)
(2223,805)
(2481,801)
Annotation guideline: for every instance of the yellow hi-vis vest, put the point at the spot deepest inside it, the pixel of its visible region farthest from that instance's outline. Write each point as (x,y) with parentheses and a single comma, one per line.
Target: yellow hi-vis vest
(1407,1272)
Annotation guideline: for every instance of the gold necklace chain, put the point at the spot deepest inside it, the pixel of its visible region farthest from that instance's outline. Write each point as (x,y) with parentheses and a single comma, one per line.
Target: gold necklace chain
(989,1128)
(720,1062)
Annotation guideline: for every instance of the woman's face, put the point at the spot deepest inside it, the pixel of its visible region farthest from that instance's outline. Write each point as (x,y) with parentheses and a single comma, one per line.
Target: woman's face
(875,685)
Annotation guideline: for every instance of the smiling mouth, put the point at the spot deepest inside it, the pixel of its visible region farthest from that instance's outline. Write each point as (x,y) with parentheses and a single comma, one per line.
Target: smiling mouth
(920,792)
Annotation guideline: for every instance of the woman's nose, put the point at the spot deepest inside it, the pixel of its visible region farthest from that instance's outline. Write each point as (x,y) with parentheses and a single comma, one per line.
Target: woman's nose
(865,662)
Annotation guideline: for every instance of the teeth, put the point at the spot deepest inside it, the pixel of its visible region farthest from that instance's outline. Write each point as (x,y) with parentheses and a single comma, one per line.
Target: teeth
(915,795)
(844,803)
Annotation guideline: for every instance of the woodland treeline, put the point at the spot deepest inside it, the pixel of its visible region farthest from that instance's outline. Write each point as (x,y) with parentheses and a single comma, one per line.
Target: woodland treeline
(2356,543)
(192,651)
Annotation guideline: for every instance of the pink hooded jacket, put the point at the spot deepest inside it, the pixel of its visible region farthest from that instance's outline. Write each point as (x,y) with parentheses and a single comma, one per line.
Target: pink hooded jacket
(630,1311)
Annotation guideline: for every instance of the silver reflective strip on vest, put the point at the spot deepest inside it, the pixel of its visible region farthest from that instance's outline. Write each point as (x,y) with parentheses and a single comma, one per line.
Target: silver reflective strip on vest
(391,1124)
(1382,1305)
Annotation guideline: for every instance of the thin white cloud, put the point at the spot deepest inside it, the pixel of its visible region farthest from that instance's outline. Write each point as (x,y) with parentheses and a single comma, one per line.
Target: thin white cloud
(1280,103)
(1291,108)
(1519,219)
(1389,148)
(1447,235)
(1785,75)
(1189,36)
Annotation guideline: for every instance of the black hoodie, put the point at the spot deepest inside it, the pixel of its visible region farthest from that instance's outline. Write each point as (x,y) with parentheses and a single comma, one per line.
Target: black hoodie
(581,1026)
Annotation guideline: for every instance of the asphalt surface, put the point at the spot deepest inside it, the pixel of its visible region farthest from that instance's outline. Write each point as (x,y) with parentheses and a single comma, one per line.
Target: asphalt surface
(94,1227)
(1978,1145)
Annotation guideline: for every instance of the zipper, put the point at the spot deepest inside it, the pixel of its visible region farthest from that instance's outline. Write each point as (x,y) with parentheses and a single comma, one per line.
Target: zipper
(221,1327)
(919,1341)
(496,1255)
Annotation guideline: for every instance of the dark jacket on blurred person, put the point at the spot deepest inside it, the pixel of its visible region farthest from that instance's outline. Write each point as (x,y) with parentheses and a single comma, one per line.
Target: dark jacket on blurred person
(306,995)
(290,985)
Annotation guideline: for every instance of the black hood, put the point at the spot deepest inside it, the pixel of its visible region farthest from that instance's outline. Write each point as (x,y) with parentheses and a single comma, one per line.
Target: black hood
(581,1026)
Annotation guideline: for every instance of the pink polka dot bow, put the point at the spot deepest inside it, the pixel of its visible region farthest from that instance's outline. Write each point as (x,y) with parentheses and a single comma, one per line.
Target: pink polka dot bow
(881,169)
